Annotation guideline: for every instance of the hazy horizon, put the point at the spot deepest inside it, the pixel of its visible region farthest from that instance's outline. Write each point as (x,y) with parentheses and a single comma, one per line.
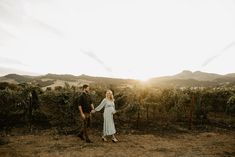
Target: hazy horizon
(145,79)
(120,39)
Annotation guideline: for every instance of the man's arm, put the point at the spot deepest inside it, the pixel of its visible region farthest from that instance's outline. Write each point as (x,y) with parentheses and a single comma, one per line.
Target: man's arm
(80,102)
(81,112)
(92,107)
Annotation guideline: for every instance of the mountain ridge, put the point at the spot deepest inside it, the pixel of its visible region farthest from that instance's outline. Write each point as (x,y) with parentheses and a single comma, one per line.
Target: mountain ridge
(185,78)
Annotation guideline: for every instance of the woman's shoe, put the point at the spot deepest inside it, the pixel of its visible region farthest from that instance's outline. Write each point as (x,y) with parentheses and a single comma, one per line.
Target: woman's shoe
(104,139)
(114,140)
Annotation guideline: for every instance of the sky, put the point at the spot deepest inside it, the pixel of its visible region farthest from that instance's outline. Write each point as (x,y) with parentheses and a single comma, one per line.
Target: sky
(136,39)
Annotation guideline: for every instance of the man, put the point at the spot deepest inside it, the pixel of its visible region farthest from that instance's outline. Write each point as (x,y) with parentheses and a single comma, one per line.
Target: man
(85,106)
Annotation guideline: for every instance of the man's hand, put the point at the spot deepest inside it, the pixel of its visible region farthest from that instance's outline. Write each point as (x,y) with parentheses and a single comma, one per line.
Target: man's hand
(93,111)
(83,115)
(81,112)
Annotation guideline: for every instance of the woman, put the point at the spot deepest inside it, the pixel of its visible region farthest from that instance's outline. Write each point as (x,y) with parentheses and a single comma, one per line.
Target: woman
(109,109)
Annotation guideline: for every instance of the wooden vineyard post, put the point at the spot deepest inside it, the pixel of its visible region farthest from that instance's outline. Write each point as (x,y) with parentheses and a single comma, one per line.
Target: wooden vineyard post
(191,112)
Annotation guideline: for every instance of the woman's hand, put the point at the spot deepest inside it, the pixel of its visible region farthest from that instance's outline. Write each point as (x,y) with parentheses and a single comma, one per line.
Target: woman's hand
(93,111)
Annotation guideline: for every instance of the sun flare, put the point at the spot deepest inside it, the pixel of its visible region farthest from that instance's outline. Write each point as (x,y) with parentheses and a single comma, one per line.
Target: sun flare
(143,79)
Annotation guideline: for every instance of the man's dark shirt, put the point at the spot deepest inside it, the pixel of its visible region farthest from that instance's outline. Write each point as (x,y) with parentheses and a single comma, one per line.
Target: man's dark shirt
(85,101)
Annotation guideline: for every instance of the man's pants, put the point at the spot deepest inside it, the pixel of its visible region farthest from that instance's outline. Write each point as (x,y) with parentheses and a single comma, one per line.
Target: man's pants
(86,125)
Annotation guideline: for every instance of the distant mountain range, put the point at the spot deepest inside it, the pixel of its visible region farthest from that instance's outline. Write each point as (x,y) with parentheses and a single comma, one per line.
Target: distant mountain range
(52,80)
(183,79)
(194,79)
(5,71)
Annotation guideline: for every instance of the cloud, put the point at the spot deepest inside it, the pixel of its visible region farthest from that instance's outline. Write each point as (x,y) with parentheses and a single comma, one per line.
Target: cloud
(46,27)
(5,71)
(97,59)
(5,35)
(210,59)
(13,13)
(221,52)
(10,61)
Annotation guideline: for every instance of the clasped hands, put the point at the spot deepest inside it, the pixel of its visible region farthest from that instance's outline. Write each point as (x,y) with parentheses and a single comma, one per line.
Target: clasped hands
(93,111)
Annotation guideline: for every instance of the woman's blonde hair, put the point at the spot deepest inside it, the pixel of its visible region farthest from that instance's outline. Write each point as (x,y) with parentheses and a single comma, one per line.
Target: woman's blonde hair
(111,97)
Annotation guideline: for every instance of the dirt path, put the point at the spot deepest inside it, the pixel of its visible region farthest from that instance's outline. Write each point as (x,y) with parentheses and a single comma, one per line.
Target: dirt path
(47,144)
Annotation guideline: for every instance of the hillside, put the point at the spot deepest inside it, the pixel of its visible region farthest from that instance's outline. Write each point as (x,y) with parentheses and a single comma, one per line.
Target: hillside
(194,79)
(52,80)
(183,79)
(197,75)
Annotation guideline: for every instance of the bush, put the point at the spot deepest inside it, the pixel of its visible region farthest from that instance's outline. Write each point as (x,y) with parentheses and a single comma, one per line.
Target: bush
(230,108)
(138,106)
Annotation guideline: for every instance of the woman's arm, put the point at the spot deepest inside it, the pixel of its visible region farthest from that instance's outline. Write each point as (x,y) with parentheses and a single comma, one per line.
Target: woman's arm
(114,109)
(101,105)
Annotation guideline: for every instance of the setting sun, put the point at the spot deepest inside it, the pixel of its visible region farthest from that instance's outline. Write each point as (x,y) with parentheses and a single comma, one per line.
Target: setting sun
(143,79)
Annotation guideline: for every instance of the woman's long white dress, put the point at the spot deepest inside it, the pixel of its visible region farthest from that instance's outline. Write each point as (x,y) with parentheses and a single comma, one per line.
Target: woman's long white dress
(109,110)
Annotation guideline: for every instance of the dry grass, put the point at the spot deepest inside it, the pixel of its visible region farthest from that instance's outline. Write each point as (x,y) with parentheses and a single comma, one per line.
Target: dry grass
(50,144)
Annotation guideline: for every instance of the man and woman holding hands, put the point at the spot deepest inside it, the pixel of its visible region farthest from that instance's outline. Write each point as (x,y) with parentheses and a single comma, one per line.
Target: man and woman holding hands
(86,107)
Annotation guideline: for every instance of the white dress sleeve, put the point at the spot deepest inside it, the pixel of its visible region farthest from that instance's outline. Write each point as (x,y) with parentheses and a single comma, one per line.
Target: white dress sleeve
(114,108)
(101,105)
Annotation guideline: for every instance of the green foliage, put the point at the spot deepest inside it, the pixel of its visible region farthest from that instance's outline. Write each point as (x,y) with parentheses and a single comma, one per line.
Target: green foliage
(230,108)
(5,85)
(58,106)
(137,106)
(17,106)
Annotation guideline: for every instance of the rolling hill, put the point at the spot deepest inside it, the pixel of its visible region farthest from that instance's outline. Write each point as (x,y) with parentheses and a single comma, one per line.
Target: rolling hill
(52,80)
(183,79)
(194,79)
